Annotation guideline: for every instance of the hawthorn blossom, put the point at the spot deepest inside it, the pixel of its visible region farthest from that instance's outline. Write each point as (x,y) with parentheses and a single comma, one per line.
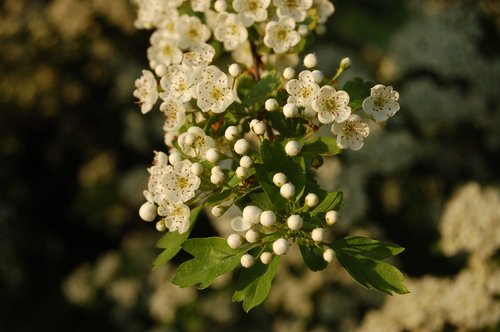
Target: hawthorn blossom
(195,143)
(200,5)
(191,32)
(163,49)
(146,91)
(351,133)
(180,183)
(382,102)
(297,9)
(331,105)
(155,13)
(230,31)
(215,94)
(156,190)
(176,216)
(281,35)
(177,83)
(251,10)
(302,90)
(175,114)
(325,9)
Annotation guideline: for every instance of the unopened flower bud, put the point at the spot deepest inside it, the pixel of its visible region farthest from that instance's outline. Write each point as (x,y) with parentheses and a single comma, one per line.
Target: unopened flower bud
(288,73)
(174,157)
(220,6)
(189,139)
(295,222)
(197,169)
(234,241)
(311,200)
(267,218)
(241,146)
(231,133)
(318,76)
(218,211)
(147,211)
(217,178)
(329,255)
(251,214)
(271,105)
(241,172)
(280,246)
(292,148)
(234,69)
(259,128)
(160,226)
(266,257)
(161,70)
(303,30)
(246,162)
(310,60)
(318,234)
(212,155)
(279,179)
(247,260)
(287,190)
(290,110)
(252,236)
(331,217)
(345,63)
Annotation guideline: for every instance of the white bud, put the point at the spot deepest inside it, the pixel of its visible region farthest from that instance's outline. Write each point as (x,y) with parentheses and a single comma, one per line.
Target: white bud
(212,155)
(318,76)
(160,226)
(246,162)
(318,234)
(252,236)
(311,200)
(345,63)
(251,214)
(197,169)
(220,6)
(329,255)
(290,110)
(241,172)
(234,241)
(253,122)
(303,30)
(189,139)
(295,222)
(216,169)
(287,190)
(331,217)
(241,146)
(259,128)
(310,60)
(280,246)
(218,211)
(271,105)
(217,178)
(147,211)
(266,257)
(161,70)
(247,260)
(174,157)
(238,225)
(292,148)
(288,73)
(231,133)
(279,179)
(267,218)
(234,69)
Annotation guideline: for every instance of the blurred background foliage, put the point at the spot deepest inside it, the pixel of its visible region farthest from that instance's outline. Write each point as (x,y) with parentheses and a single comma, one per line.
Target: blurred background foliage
(74,150)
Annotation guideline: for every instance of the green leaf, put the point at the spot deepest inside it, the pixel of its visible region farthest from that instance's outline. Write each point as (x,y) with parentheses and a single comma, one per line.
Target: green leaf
(360,257)
(265,179)
(263,89)
(332,201)
(262,200)
(358,90)
(172,241)
(254,283)
(212,258)
(313,257)
(220,197)
(325,146)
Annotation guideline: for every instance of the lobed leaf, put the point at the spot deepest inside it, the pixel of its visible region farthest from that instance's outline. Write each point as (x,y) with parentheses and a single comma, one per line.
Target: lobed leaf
(313,257)
(332,201)
(262,89)
(358,90)
(325,146)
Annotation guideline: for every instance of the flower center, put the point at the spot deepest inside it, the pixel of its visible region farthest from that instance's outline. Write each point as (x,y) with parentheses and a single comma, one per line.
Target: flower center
(182,182)
(331,105)
(281,34)
(253,5)
(290,3)
(379,102)
(217,94)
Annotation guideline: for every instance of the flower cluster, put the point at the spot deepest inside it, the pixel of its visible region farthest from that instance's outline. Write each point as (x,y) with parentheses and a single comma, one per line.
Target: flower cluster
(248,137)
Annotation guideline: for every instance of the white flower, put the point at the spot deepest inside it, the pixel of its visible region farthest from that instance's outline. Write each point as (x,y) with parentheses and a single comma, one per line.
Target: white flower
(191,32)
(146,91)
(382,102)
(199,57)
(302,90)
(202,143)
(297,9)
(251,10)
(156,190)
(325,9)
(215,94)
(180,183)
(351,133)
(200,5)
(177,84)
(174,114)
(281,36)
(163,49)
(230,31)
(176,216)
(331,105)
(154,13)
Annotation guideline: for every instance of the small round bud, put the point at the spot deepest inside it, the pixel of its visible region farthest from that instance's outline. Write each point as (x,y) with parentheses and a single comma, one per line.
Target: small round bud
(279,179)
(252,236)
(212,155)
(234,69)
(238,225)
(147,211)
(320,29)
(345,63)
(280,246)
(266,257)
(247,260)
(311,200)
(251,214)
(246,162)
(331,217)
(259,128)
(241,146)
(241,172)
(189,139)
(174,157)
(292,148)
(218,211)
(267,218)
(161,70)
(318,234)
(329,255)
(287,190)
(231,133)
(303,30)
(197,169)
(161,158)
(271,105)
(290,110)
(160,226)
(217,178)
(288,73)
(295,222)
(220,6)
(310,60)
(318,76)
(234,241)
